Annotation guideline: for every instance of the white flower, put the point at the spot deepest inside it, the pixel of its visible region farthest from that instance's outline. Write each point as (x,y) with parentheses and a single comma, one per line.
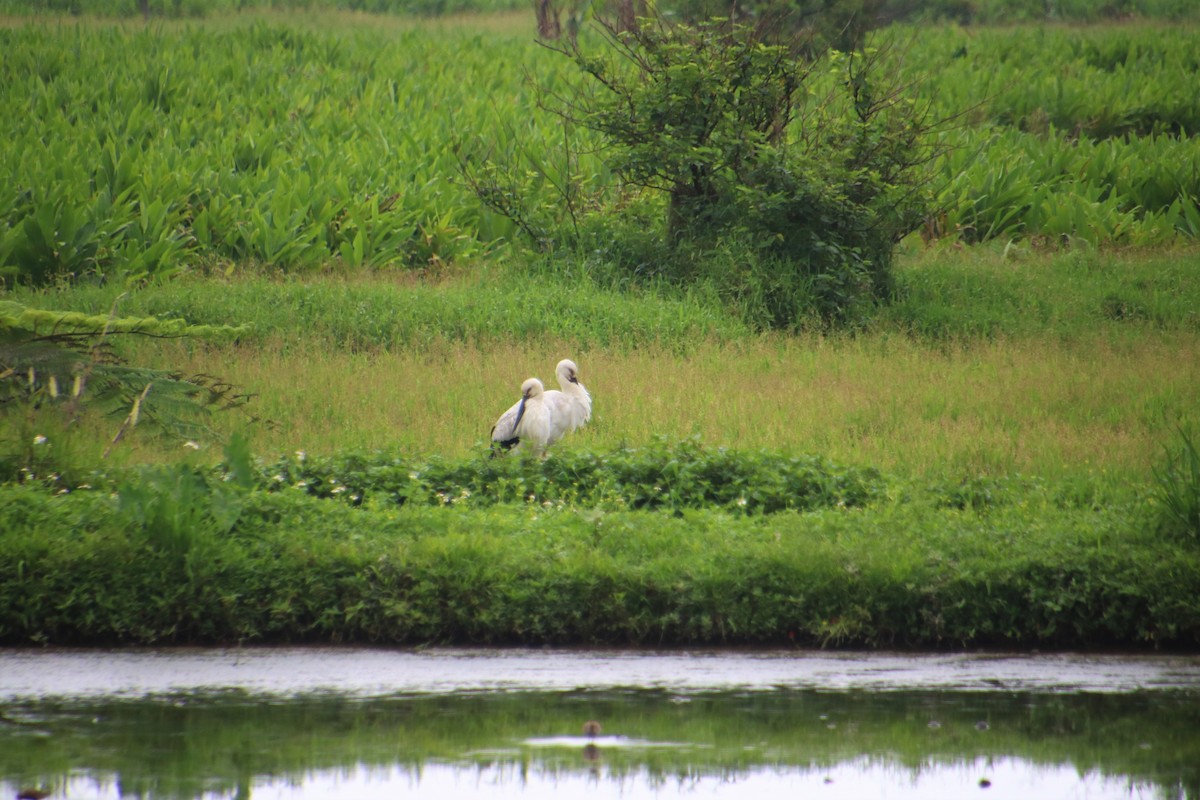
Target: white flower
(301,455)
(300,484)
(278,478)
(39,439)
(191,445)
(339,490)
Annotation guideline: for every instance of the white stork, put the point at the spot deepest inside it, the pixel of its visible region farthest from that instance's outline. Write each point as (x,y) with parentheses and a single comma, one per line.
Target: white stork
(572,406)
(561,410)
(528,422)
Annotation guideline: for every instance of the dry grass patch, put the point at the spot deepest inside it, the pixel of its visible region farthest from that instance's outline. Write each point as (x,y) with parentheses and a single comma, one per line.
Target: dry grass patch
(994,407)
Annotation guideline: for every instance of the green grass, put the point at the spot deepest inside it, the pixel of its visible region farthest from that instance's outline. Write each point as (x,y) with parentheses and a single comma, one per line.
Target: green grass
(1014,505)
(1015,291)
(362,312)
(215,563)
(987,364)
(974,465)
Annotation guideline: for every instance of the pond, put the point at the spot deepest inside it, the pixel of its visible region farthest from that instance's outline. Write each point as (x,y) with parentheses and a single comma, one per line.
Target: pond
(453,723)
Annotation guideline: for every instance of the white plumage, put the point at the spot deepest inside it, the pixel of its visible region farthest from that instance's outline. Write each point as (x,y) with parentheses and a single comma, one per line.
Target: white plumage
(528,422)
(571,407)
(540,418)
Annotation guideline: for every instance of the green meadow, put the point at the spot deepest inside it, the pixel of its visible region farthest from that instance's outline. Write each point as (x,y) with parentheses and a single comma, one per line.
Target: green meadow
(1059,365)
(1000,453)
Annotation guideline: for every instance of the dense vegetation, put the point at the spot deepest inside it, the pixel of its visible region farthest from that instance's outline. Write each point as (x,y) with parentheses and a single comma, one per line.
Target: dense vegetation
(174,555)
(1001,453)
(142,153)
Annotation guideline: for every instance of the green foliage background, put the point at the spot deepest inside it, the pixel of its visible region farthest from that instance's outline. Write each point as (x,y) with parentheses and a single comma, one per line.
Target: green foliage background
(144,153)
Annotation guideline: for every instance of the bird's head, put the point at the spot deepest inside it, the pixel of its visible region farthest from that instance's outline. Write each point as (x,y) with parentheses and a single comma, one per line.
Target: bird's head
(532,387)
(567,371)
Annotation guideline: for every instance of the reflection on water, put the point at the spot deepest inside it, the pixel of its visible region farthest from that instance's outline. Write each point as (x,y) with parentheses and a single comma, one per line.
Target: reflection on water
(654,743)
(1011,780)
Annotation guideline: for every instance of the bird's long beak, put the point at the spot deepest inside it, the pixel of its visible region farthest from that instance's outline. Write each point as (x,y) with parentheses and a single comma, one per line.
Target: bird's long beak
(520,413)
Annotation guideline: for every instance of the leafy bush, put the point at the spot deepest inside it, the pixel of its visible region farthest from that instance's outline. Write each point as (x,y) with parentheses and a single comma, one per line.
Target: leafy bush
(784,191)
(663,476)
(840,24)
(160,153)
(835,20)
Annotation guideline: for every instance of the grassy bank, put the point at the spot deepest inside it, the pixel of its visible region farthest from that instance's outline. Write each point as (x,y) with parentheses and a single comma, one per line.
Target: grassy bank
(173,557)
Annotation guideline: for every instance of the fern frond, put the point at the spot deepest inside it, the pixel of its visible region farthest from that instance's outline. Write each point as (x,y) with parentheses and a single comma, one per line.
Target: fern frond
(44,351)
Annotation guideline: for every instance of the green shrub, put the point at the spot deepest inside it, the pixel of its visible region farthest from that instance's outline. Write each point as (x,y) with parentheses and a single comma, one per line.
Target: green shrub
(783,190)
(663,476)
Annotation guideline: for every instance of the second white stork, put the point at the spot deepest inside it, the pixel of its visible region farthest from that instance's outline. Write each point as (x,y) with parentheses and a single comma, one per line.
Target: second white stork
(572,406)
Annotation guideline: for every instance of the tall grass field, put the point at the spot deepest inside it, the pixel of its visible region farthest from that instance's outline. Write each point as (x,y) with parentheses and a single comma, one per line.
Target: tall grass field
(1001,454)
(146,150)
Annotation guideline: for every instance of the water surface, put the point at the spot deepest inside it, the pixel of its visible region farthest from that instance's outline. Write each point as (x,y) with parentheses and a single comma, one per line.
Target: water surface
(365,672)
(318,723)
